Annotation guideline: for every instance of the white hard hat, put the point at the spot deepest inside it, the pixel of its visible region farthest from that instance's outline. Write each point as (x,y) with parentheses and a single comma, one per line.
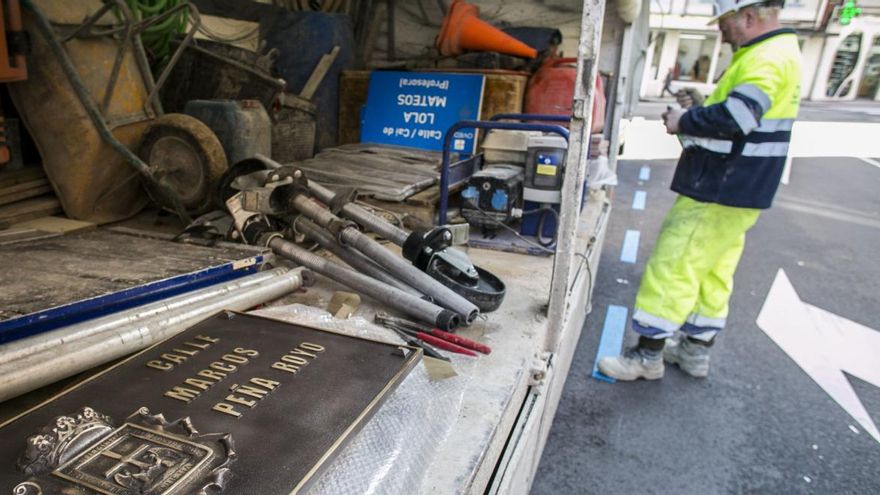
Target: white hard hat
(721,7)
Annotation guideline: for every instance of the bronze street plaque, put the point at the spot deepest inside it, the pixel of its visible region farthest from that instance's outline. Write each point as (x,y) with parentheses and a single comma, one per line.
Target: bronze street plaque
(237,404)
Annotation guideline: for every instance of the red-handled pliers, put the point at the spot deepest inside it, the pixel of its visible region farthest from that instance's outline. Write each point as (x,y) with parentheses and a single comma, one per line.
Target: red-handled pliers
(459,340)
(438,342)
(416,328)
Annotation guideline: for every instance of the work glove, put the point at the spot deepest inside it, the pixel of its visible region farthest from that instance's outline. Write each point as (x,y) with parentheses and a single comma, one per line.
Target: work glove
(689,97)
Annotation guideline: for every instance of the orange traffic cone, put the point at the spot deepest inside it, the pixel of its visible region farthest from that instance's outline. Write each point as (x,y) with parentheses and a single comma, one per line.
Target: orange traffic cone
(462,30)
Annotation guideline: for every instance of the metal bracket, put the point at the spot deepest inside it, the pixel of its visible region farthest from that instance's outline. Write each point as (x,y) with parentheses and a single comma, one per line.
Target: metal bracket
(270,198)
(539,370)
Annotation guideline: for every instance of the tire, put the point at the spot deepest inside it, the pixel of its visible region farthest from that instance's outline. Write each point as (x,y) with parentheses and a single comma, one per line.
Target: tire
(186,156)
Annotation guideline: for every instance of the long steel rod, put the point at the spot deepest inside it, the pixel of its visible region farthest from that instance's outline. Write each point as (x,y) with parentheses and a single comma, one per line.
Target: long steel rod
(48,366)
(395,265)
(402,301)
(352,211)
(353,258)
(72,333)
(364,218)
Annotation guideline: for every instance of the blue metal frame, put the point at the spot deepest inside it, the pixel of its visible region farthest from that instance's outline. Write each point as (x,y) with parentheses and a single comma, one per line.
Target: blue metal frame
(95,307)
(484,124)
(530,116)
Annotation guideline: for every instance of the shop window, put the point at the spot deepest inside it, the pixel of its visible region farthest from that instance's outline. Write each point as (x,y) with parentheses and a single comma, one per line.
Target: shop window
(844,63)
(694,57)
(871,74)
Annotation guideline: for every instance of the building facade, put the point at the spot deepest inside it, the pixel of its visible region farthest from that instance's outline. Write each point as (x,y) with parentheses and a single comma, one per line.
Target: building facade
(840,62)
(849,64)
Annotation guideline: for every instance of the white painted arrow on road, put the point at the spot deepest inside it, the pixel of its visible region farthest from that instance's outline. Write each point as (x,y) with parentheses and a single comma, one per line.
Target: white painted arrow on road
(824,345)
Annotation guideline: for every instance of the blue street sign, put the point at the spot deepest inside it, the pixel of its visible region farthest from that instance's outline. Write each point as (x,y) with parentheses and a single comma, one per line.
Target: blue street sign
(415,109)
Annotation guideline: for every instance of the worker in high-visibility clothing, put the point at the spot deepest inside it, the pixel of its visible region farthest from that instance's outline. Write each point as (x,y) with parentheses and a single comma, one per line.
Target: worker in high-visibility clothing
(735,149)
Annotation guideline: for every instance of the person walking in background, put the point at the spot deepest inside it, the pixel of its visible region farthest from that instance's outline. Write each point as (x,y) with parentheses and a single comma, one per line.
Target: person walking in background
(735,148)
(667,84)
(671,75)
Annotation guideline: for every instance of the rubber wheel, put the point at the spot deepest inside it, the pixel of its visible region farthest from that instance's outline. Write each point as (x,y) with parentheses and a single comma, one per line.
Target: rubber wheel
(487,294)
(186,156)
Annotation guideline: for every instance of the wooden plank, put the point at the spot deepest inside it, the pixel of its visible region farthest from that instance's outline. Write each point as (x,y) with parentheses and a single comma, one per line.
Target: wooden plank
(374,26)
(8,198)
(353,85)
(60,225)
(424,214)
(12,177)
(430,197)
(267,253)
(421,206)
(318,74)
(29,209)
(15,235)
(387,173)
(67,268)
(21,217)
(22,186)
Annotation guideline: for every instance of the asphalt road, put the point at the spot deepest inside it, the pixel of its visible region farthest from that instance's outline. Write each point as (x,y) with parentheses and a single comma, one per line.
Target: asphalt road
(758,424)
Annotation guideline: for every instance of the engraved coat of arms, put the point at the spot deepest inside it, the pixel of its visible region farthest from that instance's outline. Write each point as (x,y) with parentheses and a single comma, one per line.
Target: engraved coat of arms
(84,453)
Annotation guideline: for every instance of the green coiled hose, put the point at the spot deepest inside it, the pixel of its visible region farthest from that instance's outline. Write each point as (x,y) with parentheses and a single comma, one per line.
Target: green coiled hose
(157,38)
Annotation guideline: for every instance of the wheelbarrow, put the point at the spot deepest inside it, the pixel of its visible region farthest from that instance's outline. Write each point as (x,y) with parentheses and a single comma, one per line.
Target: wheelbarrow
(92,107)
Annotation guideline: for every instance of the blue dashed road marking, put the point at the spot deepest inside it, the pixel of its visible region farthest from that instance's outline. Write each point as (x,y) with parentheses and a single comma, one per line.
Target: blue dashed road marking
(639,199)
(630,246)
(612,338)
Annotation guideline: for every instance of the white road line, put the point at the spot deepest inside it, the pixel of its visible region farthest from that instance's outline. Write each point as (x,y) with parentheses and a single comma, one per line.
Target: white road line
(833,215)
(821,205)
(786,172)
(824,345)
(869,161)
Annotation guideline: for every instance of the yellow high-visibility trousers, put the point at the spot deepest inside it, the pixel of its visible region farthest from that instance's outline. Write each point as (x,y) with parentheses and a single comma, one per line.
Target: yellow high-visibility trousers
(688,279)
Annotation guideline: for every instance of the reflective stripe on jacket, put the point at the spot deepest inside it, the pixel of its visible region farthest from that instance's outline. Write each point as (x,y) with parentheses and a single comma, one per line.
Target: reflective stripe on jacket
(736,144)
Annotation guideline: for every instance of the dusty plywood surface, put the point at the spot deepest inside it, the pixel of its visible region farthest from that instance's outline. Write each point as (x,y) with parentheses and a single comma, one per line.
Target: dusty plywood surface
(50,272)
(59,225)
(389,173)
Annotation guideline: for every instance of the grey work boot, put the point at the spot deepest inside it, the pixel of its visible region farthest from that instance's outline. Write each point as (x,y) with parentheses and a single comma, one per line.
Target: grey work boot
(690,355)
(636,362)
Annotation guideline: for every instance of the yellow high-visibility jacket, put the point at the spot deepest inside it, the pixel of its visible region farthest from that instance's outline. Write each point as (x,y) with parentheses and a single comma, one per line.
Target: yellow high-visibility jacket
(736,144)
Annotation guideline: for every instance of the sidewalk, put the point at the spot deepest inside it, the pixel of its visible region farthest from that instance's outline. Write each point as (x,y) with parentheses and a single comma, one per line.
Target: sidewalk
(822,130)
